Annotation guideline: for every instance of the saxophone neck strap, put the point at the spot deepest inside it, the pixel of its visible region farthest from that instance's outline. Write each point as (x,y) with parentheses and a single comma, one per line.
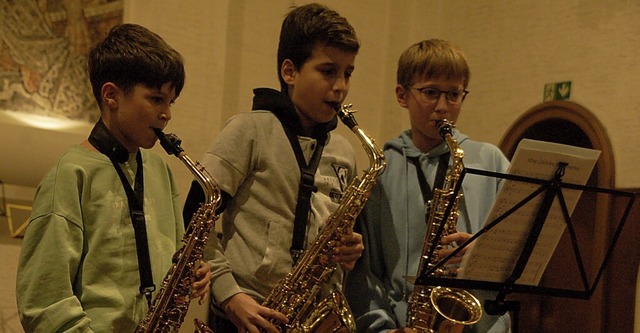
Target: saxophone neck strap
(441,173)
(104,141)
(307,185)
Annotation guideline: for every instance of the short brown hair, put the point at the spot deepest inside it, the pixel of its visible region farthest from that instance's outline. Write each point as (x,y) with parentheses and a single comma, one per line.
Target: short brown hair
(132,54)
(433,58)
(307,25)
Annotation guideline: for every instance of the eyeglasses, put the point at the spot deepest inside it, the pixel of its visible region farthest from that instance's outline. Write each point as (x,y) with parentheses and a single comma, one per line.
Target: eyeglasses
(430,95)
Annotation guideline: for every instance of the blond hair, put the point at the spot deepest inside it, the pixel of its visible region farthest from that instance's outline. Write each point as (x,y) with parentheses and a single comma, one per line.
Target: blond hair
(431,59)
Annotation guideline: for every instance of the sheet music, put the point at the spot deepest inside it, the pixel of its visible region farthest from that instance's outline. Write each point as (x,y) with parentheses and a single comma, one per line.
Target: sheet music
(495,253)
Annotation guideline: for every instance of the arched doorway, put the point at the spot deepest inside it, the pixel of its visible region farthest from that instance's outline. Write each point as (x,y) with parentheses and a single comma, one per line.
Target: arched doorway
(570,123)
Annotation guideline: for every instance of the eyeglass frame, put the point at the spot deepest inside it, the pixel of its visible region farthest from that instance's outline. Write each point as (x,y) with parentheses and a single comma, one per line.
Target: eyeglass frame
(440,92)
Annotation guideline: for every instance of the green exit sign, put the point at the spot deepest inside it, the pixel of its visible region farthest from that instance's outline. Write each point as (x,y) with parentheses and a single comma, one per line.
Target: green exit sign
(557,91)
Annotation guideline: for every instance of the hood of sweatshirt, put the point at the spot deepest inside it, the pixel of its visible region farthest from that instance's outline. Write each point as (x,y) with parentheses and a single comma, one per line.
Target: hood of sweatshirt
(281,106)
(403,144)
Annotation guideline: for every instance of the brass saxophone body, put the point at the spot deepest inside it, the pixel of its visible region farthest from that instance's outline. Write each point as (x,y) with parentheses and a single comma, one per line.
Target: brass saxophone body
(171,303)
(296,296)
(430,306)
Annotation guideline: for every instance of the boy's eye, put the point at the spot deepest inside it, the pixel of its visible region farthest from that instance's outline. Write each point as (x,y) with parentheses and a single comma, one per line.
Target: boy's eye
(431,93)
(157,99)
(328,72)
(453,95)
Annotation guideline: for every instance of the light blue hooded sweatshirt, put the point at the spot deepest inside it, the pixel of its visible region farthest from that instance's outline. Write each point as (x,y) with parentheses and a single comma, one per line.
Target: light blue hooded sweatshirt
(393,226)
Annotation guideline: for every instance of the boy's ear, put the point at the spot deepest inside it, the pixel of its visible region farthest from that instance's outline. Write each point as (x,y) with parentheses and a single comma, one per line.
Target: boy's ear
(288,71)
(110,95)
(401,95)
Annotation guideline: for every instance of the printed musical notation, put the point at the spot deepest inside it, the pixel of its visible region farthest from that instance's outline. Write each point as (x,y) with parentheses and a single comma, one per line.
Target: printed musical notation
(495,253)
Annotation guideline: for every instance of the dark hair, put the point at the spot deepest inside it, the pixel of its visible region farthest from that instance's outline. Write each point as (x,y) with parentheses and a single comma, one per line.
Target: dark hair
(132,54)
(307,25)
(431,59)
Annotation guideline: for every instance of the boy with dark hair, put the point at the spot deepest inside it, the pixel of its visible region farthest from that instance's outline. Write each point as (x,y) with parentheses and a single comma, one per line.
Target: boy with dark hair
(106,219)
(432,78)
(258,159)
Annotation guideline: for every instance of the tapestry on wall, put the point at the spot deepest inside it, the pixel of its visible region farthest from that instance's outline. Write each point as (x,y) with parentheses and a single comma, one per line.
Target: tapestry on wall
(43,55)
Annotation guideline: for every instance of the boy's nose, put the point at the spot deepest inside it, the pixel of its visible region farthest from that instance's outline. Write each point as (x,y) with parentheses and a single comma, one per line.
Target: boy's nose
(166,115)
(340,84)
(442,105)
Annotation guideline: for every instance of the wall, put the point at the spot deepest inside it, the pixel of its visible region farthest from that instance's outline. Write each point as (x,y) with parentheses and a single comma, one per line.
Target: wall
(235,51)
(514,49)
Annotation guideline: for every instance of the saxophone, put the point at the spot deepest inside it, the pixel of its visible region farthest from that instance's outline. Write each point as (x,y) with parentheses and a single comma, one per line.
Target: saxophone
(296,295)
(430,307)
(171,303)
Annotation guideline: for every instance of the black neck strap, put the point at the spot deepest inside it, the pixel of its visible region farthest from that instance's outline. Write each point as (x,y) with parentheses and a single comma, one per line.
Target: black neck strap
(104,141)
(441,172)
(307,185)
(282,107)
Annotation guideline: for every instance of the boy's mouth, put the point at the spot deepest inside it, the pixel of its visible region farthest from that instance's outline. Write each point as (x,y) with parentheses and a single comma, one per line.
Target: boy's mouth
(157,131)
(334,105)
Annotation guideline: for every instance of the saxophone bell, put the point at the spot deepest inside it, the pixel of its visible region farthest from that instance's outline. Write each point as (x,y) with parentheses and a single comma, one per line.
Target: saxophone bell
(456,305)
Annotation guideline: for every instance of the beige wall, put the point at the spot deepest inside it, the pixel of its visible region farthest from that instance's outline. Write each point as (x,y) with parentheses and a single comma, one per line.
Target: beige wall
(234,51)
(514,49)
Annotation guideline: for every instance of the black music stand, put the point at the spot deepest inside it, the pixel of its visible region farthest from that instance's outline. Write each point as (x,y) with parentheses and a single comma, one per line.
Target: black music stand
(3,200)
(551,189)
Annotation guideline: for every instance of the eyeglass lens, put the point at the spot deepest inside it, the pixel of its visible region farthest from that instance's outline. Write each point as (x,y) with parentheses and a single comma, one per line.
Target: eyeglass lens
(430,95)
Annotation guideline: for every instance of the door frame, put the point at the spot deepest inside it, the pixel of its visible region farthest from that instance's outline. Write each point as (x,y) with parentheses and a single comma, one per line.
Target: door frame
(605,168)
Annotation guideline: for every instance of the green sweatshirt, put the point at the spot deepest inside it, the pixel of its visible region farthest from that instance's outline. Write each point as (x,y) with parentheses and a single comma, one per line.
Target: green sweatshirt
(78,269)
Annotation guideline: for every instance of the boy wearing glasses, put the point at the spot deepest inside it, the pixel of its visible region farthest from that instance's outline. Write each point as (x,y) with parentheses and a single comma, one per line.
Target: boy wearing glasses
(432,78)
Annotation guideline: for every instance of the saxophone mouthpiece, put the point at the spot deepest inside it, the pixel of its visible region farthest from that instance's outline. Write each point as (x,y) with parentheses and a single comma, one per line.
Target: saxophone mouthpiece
(170,142)
(445,127)
(346,115)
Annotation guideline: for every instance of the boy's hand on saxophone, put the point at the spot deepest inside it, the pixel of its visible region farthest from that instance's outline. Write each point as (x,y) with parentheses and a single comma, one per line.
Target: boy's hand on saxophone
(200,288)
(249,316)
(349,250)
(451,242)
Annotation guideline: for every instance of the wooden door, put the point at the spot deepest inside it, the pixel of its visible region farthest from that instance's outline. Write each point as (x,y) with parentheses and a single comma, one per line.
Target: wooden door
(594,221)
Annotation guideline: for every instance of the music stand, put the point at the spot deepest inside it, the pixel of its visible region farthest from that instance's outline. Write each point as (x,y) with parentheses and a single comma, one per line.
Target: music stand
(551,190)
(3,202)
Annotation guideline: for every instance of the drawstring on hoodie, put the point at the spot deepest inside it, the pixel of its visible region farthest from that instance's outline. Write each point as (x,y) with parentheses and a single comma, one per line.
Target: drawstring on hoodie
(426,191)
(406,293)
